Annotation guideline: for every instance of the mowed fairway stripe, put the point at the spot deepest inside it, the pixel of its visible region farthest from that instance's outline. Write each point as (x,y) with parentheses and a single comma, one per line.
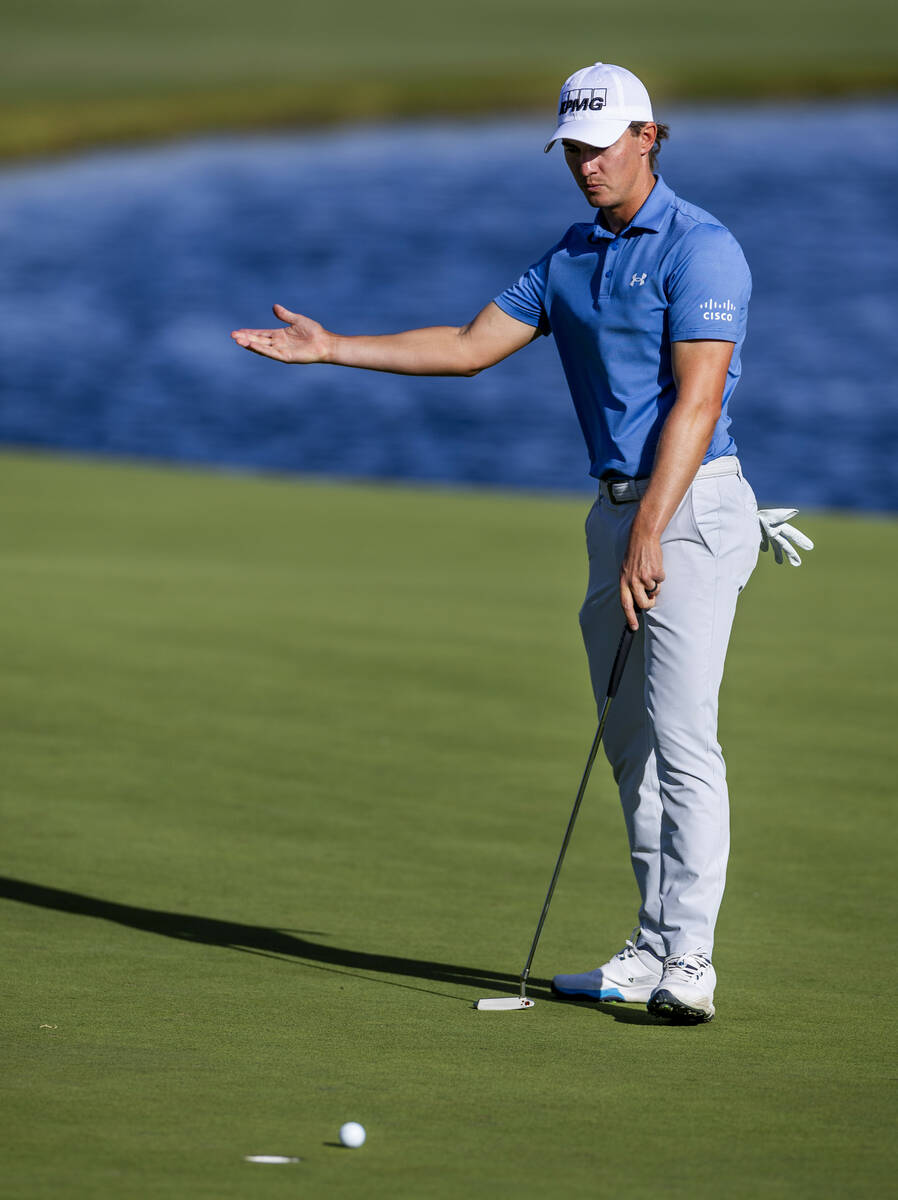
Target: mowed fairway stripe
(286,766)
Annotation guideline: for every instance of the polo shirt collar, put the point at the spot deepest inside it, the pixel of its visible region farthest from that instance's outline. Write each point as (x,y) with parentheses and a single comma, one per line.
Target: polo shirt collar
(651,216)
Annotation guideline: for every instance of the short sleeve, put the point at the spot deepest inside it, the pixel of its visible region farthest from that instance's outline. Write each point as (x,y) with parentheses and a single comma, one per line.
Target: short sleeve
(708,287)
(525,300)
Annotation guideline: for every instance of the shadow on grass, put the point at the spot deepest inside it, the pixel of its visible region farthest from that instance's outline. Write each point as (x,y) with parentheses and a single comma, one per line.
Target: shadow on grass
(258,939)
(293,944)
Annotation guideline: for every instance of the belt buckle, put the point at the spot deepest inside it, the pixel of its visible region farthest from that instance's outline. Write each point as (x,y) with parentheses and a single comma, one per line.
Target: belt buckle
(627,488)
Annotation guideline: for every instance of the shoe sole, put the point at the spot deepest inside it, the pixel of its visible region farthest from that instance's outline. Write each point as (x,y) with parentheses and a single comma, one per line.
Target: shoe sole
(666,1004)
(609,994)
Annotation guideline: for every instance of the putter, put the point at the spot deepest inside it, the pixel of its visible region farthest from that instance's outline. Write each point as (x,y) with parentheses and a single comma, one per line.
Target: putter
(515,1003)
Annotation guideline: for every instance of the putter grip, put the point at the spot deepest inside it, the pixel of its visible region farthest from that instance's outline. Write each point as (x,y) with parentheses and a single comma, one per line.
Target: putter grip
(620,661)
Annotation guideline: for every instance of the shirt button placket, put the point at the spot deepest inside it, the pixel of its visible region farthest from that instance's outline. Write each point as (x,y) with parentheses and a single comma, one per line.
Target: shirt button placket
(610,263)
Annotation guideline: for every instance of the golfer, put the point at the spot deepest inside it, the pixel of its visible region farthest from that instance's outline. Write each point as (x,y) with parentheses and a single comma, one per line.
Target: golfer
(647,305)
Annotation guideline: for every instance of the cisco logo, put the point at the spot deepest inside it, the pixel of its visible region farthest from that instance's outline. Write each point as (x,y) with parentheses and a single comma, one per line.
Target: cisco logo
(712,311)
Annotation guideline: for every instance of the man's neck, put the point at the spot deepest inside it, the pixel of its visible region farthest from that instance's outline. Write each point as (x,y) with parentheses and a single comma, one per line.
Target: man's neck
(619,216)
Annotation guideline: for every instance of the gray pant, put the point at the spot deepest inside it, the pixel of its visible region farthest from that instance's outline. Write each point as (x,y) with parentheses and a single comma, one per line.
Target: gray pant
(661,735)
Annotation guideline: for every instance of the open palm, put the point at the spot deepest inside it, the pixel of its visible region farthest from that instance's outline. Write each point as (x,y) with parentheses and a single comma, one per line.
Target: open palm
(302,341)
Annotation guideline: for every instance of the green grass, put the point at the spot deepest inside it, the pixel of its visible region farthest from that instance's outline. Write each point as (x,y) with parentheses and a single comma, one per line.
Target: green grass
(285,769)
(77,72)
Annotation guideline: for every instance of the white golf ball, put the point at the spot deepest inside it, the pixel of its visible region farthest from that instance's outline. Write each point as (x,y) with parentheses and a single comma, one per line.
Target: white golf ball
(352,1134)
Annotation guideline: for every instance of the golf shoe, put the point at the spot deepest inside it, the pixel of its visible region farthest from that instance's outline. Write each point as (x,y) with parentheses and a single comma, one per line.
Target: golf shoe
(630,975)
(685,992)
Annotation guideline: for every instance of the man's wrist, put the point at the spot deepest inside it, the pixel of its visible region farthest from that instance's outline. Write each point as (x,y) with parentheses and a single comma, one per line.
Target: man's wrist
(646,524)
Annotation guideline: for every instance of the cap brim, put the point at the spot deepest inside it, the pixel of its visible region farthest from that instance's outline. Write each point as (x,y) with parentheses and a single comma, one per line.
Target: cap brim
(597,132)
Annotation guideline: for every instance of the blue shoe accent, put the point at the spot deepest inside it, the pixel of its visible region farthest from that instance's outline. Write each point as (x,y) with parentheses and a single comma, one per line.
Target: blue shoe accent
(587,994)
(629,977)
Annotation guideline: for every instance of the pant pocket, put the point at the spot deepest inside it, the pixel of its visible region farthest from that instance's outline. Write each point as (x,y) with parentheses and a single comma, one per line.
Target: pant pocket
(697,519)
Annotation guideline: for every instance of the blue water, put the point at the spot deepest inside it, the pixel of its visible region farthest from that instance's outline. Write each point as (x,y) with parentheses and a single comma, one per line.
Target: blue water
(124,273)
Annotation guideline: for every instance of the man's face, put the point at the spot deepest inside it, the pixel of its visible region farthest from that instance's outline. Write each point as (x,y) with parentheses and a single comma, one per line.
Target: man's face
(609,177)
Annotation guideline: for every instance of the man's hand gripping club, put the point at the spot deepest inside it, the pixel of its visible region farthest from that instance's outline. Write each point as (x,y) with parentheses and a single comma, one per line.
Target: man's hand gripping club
(641,575)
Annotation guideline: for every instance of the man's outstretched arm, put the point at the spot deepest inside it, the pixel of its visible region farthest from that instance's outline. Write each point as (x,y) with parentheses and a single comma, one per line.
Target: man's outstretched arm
(439,350)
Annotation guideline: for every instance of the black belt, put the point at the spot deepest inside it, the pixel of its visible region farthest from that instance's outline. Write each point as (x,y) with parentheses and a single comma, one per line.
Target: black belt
(625,491)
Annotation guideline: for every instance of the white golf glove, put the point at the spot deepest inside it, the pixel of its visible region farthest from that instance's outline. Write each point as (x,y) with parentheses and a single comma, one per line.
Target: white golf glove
(782,537)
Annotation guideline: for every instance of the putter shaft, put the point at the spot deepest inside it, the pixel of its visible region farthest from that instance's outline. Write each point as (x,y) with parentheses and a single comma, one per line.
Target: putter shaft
(617,671)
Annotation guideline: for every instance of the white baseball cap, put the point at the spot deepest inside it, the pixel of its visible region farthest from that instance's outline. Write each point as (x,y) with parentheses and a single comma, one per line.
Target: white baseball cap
(598,103)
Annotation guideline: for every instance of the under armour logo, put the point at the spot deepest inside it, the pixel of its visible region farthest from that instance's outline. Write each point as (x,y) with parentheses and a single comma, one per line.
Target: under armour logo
(640,279)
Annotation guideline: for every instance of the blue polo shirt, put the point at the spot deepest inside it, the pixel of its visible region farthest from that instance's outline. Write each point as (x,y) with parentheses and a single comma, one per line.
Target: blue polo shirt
(614,304)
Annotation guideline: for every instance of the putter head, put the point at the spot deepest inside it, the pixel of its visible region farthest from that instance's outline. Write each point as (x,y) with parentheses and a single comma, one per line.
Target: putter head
(504,1004)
